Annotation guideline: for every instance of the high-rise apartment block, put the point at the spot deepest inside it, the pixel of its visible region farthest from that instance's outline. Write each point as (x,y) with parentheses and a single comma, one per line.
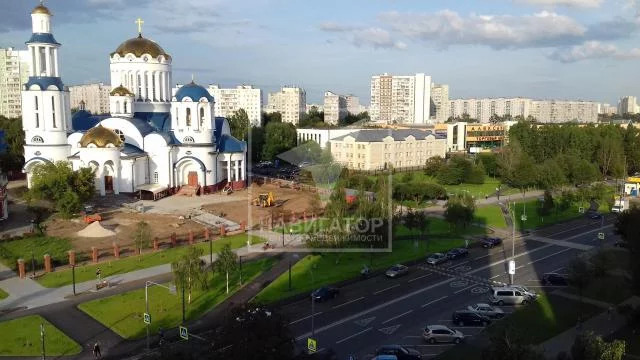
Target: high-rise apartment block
(14,72)
(246,97)
(95,97)
(544,111)
(335,107)
(401,99)
(607,109)
(290,102)
(353,105)
(628,105)
(439,103)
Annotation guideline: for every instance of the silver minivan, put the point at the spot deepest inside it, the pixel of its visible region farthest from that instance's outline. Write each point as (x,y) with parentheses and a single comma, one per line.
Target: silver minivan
(508,296)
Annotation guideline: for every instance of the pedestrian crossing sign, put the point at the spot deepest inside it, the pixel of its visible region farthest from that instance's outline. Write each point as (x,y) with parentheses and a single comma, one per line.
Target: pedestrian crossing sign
(184,333)
(147,319)
(601,236)
(312,345)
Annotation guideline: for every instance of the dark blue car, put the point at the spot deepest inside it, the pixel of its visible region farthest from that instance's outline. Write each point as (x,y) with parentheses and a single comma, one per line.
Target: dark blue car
(489,242)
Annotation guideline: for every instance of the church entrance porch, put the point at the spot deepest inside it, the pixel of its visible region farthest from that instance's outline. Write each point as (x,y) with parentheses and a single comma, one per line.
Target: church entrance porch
(108,184)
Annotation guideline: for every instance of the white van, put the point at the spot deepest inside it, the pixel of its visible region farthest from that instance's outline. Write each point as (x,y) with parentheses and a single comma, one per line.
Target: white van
(508,296)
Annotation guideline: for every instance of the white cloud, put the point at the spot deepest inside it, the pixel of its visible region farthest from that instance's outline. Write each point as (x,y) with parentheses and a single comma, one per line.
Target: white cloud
(375,37)
(447,27)
(568,3)
(593,50)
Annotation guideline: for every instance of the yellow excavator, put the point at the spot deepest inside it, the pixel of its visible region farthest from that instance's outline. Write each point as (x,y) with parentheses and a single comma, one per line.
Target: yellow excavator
(264,200)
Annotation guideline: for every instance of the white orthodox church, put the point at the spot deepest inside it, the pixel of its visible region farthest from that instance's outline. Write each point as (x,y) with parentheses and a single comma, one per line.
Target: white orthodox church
(154,142)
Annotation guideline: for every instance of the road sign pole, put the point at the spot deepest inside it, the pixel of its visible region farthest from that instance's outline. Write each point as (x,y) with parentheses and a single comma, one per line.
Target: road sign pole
(44,354)
(146,311)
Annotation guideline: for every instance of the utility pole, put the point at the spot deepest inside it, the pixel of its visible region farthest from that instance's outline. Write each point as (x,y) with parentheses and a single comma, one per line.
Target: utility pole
(146,309)
(513,243)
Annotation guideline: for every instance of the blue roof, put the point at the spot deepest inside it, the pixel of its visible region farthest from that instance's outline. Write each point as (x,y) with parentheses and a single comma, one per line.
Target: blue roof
(229,144)
(194,92)
(161,122)
(132,150)
(83,120)
(44,82)
(144,127)
(42,38)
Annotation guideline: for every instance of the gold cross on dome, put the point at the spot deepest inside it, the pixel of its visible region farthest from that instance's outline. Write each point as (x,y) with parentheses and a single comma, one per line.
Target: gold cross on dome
(139,22)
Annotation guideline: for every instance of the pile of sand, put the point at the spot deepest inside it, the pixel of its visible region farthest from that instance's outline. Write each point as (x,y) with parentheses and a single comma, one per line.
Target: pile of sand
(95,230)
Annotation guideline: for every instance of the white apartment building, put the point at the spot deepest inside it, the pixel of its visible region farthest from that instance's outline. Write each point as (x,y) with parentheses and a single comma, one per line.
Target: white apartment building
(335,107)
(353,105)
(14,72)
(401,99)
(246,97)
(440,106)
(375,149)
(628,105)
(94,96)
(290,101)
(560,111)
(607,109)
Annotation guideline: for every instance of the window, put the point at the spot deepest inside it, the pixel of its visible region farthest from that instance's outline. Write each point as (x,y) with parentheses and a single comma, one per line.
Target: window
(120,134)
(139,86)
(155,177)
(125,106)
(53,111)
(188,139)
(37,114)
(201,117)
(37,140)
(188,117)
(153,84)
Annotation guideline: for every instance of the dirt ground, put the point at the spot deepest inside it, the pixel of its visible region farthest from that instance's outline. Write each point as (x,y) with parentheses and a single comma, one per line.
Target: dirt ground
(287,200)
(123,223)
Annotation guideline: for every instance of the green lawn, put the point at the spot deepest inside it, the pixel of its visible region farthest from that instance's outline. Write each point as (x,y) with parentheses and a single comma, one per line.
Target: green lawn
(331,268)
(477,190)
(534,220)
(21,337)
(490,215)
(11,251)
(123,313)
(438,227)
(132,263)
(3,294)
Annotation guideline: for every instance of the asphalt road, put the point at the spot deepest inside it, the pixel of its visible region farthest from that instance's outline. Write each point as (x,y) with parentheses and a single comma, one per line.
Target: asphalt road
(380,311)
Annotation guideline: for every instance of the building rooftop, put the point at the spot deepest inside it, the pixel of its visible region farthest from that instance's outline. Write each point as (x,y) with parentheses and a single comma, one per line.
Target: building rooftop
(378,135)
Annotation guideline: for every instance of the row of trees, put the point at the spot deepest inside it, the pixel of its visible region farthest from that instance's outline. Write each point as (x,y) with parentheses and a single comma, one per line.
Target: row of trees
(455,171)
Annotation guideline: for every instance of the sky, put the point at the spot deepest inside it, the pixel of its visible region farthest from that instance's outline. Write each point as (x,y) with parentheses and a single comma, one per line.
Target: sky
(561,49)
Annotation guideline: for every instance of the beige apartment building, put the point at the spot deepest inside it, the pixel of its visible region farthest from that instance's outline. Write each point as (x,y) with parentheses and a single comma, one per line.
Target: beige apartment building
(246,97)
(95,97)
(377,149)
(290,101)
(14,72)
(401,99)
(439,103)
(335,107)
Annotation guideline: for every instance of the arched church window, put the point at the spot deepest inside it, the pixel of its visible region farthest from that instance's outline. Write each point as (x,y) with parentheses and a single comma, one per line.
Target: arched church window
(37,140)
(117,107)
(188,139)
(139,87)
(124,104)
(201,117)
(37,114)
(120,134)
(53,112)
(188,117)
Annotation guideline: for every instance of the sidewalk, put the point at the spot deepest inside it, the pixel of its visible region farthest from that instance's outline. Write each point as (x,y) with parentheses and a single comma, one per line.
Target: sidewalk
(603,324)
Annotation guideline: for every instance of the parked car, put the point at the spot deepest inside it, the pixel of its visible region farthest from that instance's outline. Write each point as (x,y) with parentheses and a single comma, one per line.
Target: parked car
(324,293)
(457,253)
(441,333)
(555,279)
(397,271)
(400,352)
(490,242)
(487,310)
(469,318)
(508,296)
(437,258)
(594,215)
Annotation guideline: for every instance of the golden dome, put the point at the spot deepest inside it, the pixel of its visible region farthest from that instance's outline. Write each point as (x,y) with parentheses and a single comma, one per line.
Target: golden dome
(41,9)
(100,137)
(121,91)
(140,46)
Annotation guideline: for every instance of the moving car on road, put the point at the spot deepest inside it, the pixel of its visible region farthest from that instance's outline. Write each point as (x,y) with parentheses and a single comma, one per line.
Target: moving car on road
(437,259)
(457,253)
(490,242)
(487,310)
(555,279)
(469,318)
(508,296)
(397,271)
(324,293)
(440,333)
(400,352)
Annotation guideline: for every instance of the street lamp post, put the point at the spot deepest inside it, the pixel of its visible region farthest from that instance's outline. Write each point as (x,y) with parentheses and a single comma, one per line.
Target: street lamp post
(73,278)
(513,242)
(147,284)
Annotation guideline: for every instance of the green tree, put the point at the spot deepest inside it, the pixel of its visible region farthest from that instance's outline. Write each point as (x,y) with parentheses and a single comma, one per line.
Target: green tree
(433,165)
(256,143)
(509,345)
(188,273)
(68,204)
(279,137)
(13,158)
(239,124)
(459,210)
(588,346)
(227,262)
(550,175)
(490,163)
(142,236)
(271,117)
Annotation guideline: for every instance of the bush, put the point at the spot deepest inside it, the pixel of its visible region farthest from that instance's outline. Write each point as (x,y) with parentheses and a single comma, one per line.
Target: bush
(433,165)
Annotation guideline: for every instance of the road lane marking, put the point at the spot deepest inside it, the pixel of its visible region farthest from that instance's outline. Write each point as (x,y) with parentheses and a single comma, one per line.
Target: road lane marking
(462,263)
(493,277)
(395,317)
(383,290)
(305,318)
(348,302)
(420,277)
(464,289)
(434,301)
(548,256)
(354,335)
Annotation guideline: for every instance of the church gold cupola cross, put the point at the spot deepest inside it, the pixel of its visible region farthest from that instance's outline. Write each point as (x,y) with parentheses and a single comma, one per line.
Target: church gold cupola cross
(140,22)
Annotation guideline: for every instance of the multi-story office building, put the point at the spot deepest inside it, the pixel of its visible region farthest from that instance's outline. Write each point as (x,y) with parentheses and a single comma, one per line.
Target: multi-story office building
(628,105)
(440,106)
(14,72)
(94,96)
(335,107)
(290,101)
(375,149)
(353,105)
(246,97)
(400,99)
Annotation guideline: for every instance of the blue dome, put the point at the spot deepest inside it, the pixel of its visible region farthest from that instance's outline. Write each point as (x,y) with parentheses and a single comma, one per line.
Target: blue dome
(194,92)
